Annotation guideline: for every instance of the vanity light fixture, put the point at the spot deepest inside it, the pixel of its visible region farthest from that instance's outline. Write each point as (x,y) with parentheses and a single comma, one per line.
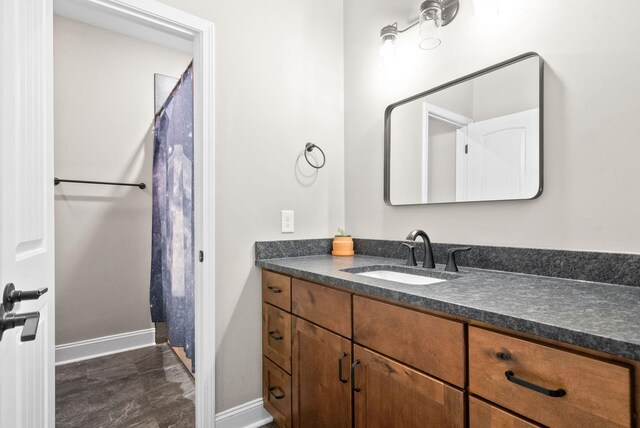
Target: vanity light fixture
(433,15)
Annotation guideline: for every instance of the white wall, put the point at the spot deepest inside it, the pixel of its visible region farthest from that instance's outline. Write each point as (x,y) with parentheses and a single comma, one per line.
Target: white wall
(104,109)
(591,199)
(279,84)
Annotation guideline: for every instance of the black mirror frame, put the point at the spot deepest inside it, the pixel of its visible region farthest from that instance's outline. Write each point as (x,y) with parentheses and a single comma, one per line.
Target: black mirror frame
(387,127)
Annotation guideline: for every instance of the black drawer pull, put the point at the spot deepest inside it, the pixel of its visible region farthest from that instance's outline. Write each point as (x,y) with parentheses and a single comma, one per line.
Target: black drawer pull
(340,360)
(275,335)
(276,392)
(511,377)
(274,290)
(353,376)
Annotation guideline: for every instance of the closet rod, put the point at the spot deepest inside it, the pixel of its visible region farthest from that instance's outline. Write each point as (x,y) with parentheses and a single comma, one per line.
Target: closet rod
(57,181)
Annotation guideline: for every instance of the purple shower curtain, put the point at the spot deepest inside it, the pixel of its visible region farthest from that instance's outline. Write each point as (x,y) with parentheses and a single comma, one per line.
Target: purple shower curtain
(172,258)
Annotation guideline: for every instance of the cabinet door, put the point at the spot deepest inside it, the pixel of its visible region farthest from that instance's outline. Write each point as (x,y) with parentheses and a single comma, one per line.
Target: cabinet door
(389,394)
(321,391)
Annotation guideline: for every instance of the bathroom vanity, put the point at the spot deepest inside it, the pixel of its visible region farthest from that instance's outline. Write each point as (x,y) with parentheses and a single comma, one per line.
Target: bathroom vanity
(484,349)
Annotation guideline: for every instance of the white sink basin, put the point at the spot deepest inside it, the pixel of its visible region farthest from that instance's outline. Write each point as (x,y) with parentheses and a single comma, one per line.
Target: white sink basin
(404,278)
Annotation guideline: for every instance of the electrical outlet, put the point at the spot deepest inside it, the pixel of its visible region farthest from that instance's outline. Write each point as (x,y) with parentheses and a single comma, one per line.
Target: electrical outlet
(287,221)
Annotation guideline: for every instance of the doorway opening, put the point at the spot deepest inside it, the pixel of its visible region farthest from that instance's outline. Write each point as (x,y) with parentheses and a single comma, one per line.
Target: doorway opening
(106,253)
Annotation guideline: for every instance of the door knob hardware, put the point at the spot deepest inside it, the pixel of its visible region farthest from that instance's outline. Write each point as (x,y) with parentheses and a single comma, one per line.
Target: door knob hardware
(28,321)
(11,296)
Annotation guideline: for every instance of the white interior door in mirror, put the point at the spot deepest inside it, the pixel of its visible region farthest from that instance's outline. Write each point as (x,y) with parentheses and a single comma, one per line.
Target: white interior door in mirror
(498,158)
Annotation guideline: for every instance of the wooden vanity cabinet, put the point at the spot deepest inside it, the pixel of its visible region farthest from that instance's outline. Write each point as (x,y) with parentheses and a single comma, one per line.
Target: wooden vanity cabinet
(431,344)
(552,386)
(276,392)
(484,415)
(276,347)
(276,290)
(322,306)
(321,377)
(390,394)
(276,336)
(356,361)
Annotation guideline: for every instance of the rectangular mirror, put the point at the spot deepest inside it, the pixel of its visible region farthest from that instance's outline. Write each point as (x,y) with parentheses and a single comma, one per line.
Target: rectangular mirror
(477,138)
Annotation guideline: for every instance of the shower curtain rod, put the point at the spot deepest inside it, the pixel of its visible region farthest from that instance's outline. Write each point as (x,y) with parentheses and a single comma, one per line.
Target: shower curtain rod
(57,181)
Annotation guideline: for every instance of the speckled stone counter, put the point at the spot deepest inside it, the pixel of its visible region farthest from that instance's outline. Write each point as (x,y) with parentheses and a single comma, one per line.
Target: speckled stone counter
(602,317)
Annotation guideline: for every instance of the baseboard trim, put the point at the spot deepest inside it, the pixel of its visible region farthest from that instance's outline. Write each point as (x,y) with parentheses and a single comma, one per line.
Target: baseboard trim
(248,415)
(107,345)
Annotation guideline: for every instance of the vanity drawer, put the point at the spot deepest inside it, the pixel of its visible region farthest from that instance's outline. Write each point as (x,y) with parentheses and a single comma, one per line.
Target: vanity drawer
(276,336)
(484,415)
(596,393)
(276,289)
(323,306)
(429,343)
(276,392)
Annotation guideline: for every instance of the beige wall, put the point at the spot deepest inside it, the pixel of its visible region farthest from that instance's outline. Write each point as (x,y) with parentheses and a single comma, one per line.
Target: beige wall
(279,84)
(104,109)
(590,200)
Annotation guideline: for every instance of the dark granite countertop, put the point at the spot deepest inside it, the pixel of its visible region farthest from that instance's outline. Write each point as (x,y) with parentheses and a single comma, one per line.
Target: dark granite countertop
(602,317)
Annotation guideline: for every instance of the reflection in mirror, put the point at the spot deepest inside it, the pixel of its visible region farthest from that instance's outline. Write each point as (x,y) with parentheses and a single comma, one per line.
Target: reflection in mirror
(475,139)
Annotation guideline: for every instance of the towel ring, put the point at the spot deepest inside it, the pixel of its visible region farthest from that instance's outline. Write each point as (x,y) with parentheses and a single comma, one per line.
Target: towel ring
(309,147)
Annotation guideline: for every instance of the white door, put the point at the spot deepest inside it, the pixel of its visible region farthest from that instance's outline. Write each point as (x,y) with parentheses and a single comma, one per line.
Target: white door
(26,210)
(499,158)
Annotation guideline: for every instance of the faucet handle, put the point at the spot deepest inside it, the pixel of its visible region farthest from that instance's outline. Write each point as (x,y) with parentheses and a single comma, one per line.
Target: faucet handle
(411,259)
(451,258)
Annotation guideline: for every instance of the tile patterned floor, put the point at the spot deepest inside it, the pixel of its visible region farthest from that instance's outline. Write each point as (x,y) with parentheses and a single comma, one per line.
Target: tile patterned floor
(147,388)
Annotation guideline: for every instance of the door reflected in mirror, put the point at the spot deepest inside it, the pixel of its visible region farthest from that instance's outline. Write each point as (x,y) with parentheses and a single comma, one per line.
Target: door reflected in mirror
(477,138)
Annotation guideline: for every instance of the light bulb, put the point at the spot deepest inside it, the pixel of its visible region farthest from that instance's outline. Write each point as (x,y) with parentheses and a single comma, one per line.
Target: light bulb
(388,36)
(388,52)
(429,26)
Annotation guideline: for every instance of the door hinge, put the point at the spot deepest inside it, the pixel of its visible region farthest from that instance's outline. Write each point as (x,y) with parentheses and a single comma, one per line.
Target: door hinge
(466,149)
(201,256)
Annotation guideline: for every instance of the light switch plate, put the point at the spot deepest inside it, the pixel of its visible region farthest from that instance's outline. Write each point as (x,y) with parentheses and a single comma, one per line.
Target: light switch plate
(287,221)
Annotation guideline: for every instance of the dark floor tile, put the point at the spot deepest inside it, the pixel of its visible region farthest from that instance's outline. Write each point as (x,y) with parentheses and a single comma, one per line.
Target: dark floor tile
(70,372)
(181,414)
(176,375)
(103,393)
(162,358)
(123,414)
(70,408)
(143,388)
(149,423)
(69,389)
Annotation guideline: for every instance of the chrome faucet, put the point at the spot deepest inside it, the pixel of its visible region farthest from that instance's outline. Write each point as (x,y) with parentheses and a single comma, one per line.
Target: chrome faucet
(428,252)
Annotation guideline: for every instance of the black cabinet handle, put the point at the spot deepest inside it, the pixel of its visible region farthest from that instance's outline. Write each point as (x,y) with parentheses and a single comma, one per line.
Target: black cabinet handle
(353,376)
(274,290)
(511,377)
(275,335)
(340,360)
(276,392)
